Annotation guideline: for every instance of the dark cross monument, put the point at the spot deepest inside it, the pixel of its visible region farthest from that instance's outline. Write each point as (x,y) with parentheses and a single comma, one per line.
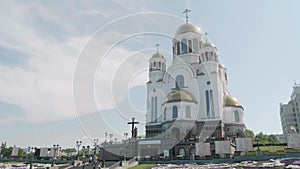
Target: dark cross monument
(133,135)
(186,11)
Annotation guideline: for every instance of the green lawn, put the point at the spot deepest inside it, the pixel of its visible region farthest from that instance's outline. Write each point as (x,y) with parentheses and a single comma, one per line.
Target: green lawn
(268,150)
(142,166)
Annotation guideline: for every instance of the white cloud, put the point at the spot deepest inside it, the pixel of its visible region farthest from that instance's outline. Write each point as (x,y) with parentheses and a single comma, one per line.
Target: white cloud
(43,86)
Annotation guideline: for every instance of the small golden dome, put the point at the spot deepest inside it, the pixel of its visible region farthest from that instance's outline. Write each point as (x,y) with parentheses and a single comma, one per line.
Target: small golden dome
(208,44)
(231,101)
(157,55)
(188,28)
(179,95)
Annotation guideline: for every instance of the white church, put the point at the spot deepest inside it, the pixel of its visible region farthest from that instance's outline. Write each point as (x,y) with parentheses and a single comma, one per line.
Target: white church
(190,112)
(189,101)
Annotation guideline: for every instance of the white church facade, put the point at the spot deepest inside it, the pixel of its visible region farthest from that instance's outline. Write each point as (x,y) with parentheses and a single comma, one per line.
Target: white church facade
(190,112)
(189,101)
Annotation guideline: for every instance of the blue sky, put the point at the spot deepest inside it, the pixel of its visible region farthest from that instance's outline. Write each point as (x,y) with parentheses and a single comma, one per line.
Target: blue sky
(41,42)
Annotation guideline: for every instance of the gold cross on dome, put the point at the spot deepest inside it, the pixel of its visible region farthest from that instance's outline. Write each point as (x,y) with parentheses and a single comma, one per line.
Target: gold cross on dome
(186,11)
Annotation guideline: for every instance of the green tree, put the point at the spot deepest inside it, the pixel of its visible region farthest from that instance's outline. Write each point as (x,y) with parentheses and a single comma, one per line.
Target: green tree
(263,139)
(250,134)
(266,139)
(22,153)
(7,151)
(68,151)
(273,139)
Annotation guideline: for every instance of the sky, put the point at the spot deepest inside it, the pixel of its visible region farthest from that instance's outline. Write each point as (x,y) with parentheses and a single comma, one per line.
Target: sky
(75,70)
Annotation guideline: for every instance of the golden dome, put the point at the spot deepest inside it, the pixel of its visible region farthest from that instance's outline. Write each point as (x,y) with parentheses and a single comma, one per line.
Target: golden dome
(231,101)
(208,44)
(179,95)
(157,55)
(221,65)
(188,28)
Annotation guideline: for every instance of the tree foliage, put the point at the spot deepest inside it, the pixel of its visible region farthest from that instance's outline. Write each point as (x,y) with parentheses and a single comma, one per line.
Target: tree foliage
(7,151)
(250,133)
(22,153)
(262,138)
(69,150)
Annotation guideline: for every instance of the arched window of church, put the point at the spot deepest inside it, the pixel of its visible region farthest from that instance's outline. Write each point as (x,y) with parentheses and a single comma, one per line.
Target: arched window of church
(181,152)
(190,46)
(192,153)
(179,82)
(211,97)
(173,50)
(188,112)
(236,116)
(195,45)
(178,48)
(207,103)
(152,109)
(175,112)
(206,56)
(176,133)
(183,46)
(155,109)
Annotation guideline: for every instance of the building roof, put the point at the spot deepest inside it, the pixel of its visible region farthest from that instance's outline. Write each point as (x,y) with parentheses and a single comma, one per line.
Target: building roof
(180,95)
(231,101)
(208,44)
(157,55)
(188,28)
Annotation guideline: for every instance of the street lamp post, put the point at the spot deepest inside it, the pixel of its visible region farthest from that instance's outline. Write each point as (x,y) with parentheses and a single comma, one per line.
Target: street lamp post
(110,137)
(95,145)
(95,151)
(125,134)
(102,154)
(28,152)
(55,148)
(83,150)
(88,149)
(31,157)
(28,156)
(78,144)
(258,149)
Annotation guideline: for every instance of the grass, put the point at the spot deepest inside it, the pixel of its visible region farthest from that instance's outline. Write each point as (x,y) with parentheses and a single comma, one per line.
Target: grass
(142,166)
(268,150)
